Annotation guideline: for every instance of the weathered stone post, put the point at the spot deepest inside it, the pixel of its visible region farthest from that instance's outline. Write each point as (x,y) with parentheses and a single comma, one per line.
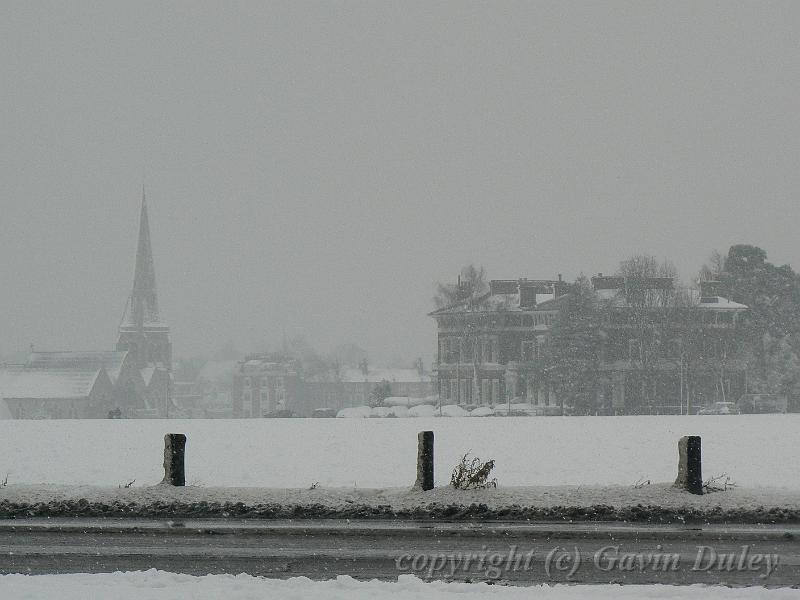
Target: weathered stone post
(424,460)
(174,451)
(690,472)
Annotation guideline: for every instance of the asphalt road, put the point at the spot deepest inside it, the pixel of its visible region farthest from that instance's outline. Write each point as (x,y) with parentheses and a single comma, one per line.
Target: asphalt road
(514,553)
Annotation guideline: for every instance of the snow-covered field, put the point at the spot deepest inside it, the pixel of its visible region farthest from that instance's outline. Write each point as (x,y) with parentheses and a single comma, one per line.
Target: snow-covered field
(158,585)
(755,450)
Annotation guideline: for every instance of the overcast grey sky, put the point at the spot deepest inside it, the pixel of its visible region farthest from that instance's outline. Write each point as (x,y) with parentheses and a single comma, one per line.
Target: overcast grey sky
(315,168)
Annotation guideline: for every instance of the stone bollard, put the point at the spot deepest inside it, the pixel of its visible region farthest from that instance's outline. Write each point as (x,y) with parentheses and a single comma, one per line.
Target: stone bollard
(424,460)
(174,451)
(690,471)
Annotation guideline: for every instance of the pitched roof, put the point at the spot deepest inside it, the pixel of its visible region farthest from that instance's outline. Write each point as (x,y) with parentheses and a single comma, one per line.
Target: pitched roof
(18,382)
(79,361)
(499,302)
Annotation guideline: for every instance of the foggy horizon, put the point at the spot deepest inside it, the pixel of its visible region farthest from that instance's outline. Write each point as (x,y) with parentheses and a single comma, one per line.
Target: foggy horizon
(313,170)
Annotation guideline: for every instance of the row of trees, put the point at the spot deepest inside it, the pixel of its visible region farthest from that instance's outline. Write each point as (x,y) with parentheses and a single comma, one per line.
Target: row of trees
(767,342)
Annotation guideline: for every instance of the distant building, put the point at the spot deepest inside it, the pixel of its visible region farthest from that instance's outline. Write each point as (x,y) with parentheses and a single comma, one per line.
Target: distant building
(273,385)
(135,380)
(690,355)
(144,334)
(67,393)
(488,347)
(265,385)
(352,386)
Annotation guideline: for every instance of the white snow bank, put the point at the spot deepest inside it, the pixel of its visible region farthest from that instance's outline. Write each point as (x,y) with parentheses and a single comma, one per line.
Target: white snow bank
(481,411)
(157,585)
(451,410)
(400,411)
(380,411)
(355,412)
(422,410)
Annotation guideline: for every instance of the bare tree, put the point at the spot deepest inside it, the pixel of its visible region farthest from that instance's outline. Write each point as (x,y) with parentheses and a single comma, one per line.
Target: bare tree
(650,294)
(471,286)
(714,268)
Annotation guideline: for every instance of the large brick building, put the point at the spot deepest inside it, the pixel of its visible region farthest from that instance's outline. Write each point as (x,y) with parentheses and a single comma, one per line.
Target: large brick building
(652,358)
(488,347)
(666,358)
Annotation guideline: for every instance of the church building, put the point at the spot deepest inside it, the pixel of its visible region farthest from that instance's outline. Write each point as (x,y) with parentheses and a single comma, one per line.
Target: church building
(133,381)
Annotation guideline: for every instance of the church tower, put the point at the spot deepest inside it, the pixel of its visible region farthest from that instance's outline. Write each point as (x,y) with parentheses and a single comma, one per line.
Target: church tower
(142,331)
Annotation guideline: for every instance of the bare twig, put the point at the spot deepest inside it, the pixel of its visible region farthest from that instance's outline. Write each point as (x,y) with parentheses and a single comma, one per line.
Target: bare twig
(470,474)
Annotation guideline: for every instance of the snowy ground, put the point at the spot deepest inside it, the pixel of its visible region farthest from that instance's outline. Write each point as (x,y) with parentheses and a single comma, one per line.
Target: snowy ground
(158,585)
(756,450)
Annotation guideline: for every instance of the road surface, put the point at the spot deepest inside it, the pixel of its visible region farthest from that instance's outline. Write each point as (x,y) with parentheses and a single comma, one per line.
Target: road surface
(506,553)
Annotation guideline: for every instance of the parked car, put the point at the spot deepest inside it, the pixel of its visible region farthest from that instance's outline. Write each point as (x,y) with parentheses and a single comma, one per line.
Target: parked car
(719,408)
(763,403)
(280,414)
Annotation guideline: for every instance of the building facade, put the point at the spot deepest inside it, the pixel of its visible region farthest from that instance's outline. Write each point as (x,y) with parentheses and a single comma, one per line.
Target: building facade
(266,385)
(653,356)
(489,348)
(666,355)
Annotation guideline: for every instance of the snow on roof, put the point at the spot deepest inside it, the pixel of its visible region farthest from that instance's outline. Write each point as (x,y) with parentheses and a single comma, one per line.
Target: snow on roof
(499,302)
(718,302)
(79,361)
(44,384)
(353,375)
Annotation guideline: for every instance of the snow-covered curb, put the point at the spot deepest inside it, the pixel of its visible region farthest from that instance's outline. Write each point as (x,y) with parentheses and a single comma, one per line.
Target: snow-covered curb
(657,503)
(156,585)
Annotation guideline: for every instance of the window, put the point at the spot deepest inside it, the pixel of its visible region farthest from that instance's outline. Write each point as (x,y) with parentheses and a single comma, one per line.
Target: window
(485,399)
(528,353)
(634,350)
(496,390)
(247,382)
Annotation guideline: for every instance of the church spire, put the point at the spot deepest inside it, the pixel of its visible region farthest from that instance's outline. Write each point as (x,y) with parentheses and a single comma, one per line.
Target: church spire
(142,307)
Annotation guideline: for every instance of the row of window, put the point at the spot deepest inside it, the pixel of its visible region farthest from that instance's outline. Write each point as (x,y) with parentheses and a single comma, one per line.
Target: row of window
(708,317)
(279,396)
(456,349)
(709,348)
(535,319)
(248,382)
(459,391)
